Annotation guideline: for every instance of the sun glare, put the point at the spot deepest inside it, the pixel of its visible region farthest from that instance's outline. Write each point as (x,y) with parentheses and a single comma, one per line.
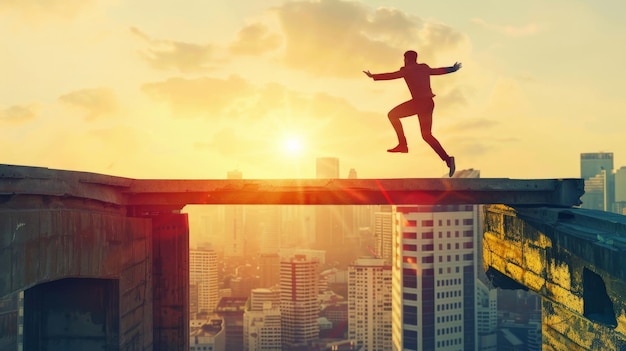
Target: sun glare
(292,145)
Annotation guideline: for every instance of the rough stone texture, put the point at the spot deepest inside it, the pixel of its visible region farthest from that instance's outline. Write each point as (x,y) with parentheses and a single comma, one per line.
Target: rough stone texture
(575,259)
(44,245)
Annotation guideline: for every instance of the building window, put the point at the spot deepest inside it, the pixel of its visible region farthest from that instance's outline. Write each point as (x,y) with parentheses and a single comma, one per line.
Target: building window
(409,235)
(408,247)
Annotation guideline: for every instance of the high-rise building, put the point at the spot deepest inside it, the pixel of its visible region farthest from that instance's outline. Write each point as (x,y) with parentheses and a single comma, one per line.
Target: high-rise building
(231,310)
(591,163)
(270,230)
(203,280)
(234,241)
(620,191)
(434,277)
(327,168)
(334,224)
(597,170)
(384,227)
(269,270)
(298,301)
(486,317)
(369,304)
(262,325)
(207,335)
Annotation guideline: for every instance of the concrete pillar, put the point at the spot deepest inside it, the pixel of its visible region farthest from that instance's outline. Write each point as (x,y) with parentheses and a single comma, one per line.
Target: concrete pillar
(170,277)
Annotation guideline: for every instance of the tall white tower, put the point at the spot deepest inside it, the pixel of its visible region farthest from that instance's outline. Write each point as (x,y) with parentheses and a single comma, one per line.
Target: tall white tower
(203,276)
(369,304)
(434,277)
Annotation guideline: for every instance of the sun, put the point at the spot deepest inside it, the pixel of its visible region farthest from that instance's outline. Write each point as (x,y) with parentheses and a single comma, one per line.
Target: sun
(292,145)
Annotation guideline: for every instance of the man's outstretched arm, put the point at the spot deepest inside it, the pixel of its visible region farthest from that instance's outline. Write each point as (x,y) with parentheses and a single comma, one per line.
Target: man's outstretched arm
(383,76)
(445,70)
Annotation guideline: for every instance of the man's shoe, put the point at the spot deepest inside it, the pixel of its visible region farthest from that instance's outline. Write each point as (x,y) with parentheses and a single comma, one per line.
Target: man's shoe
(451,165)
(400,148)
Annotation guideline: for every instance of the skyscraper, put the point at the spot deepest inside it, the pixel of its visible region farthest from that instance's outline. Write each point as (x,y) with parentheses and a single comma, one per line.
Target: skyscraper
(434,275)
(234,241)
(328,218)
(592,163)
(597,170)
(203,277)
(369,304)
(620,191)
(327,168)
(298,302)
(384,227)
(269,270)
(486,317)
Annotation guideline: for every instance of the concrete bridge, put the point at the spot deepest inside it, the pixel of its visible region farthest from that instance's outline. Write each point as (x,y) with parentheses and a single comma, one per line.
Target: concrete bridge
(94,261)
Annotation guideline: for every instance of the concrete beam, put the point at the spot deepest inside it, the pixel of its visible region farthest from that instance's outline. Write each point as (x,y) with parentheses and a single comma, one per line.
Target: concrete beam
(575,259)
(158,193)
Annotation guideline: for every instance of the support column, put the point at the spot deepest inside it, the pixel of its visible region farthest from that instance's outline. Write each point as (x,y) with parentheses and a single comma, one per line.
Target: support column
(170,249)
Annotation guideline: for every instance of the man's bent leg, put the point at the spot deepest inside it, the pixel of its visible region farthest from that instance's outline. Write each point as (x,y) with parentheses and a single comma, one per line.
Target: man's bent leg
(405,109)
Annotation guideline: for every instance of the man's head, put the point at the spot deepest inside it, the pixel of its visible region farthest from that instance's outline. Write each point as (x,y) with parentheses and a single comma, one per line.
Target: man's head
(410,57)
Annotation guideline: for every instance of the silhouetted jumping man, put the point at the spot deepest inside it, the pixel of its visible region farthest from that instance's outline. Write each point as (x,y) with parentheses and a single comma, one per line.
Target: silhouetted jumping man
(417,78)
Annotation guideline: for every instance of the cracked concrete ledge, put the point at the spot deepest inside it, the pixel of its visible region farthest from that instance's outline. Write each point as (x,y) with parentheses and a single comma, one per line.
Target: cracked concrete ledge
(575,259)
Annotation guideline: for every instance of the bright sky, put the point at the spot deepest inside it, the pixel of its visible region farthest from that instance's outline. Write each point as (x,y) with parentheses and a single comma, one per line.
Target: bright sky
(196,88)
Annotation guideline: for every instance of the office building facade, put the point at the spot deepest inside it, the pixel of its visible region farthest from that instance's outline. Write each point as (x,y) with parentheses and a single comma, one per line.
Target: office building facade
(369,304)
(298,301)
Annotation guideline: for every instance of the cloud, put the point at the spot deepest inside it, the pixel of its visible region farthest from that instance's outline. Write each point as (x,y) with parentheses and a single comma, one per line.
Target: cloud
(33,9)
(208,97)
(473,124)
(508,30)
(95,103)
(255,39)
(340,38)
(175,55)
(18,114)
(245,122)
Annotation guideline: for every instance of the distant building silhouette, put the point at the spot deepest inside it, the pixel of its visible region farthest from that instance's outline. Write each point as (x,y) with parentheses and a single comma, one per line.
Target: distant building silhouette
(333,223)
(620,191)
(327,168)
(597,170)
(234,240)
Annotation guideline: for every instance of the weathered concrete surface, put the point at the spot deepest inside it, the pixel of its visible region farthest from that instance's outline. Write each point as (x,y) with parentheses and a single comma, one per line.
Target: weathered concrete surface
(55,240)
(575,259)
(148,195)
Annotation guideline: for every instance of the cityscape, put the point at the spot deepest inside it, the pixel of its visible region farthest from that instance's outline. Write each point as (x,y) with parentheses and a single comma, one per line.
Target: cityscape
(274,175)
(361,277)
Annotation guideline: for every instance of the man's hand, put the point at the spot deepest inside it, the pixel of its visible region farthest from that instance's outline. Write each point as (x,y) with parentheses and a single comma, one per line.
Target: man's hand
(368,74)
